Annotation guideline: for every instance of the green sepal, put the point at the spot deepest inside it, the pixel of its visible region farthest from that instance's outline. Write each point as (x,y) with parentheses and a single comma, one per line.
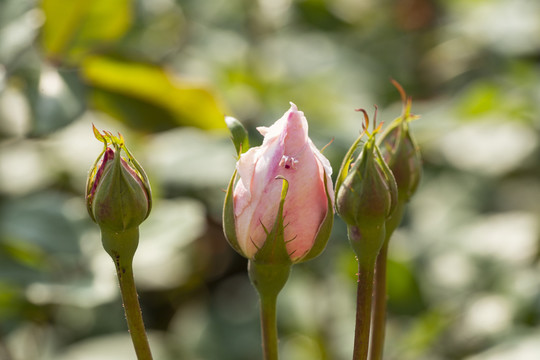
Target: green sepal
(90,183)
(394,195)
(366,202)
(346,164)
(119,202)
(143,176)
(239,135)
(92,173)
(400,150)
(229,225)
(402,155)
(323,234)
(274,250)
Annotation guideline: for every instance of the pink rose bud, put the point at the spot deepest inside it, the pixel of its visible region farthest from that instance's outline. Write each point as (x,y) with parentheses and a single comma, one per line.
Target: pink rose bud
(287,174)
(118,194)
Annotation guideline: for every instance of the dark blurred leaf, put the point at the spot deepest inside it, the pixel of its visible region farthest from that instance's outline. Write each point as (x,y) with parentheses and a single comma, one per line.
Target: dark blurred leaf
(317,13)
(404,295)
(39,223)
(138,113)
(56,98)
(424,334)
(72,28)
(148,98)
(19,26)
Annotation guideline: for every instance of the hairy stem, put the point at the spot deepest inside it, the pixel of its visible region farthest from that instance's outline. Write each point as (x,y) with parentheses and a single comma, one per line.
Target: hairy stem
(363,311)
(133,310)
(379,307)
(121,246)
(269,327)
(268,279)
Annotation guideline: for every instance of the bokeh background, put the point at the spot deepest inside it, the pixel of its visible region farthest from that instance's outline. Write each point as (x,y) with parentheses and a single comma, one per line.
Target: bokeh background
(464,267)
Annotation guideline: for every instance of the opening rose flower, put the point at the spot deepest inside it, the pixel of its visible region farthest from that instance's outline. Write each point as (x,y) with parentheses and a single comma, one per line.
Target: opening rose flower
(280,211)
(288,155)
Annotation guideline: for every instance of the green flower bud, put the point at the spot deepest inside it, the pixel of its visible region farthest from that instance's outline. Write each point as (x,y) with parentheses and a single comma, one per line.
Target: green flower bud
(118,196)
(400,151)
(366,196)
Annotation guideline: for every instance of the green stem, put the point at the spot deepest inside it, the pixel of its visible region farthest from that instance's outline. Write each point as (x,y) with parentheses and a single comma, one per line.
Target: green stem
(268,279)
(269,327)
(133,312)
(379,295)
(379,307)
(363,310)
(121,247)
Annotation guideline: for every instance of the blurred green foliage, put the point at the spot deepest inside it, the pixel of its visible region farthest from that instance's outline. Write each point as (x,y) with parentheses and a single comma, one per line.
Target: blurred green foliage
(463,272)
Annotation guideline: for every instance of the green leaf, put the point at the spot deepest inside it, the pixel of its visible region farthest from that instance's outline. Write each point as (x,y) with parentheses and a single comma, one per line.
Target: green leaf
(56,98)
(148,98)
(73,28)
(404,295)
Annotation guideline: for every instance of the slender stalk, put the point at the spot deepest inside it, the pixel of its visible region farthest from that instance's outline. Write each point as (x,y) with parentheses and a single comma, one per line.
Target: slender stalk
(364,298)
(379,307)
(269,327)
(268,280)
(132,309)
(379,295)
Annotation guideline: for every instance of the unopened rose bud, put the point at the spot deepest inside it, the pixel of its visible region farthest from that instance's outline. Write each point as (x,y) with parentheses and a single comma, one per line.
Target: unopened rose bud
(118,194)
(400,151)
(118,199)
(366,196)
(283,199)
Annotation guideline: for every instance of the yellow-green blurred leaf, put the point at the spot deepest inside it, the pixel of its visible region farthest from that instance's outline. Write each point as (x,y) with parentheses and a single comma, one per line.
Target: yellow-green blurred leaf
(148,98)
(72,28)
(480,99)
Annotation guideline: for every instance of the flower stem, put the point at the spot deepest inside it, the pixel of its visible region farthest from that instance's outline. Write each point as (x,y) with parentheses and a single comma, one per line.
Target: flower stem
(121,246)
(379,307)
(133,310)
(363,310)
(268,279)
(269,327)
(379,294)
